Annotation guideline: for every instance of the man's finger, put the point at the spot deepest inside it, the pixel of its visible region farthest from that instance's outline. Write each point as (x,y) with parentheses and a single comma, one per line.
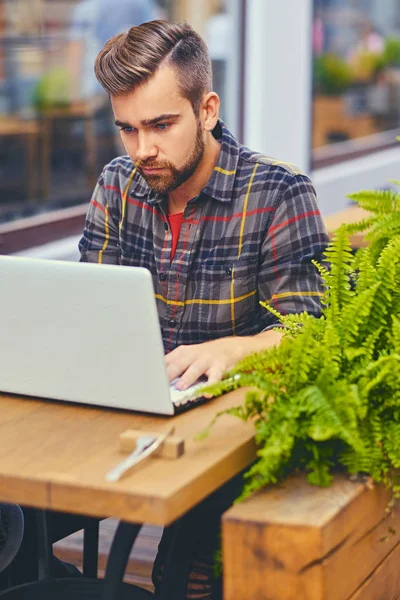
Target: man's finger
(176,367)
(174,355)
(192,374)
(215,374)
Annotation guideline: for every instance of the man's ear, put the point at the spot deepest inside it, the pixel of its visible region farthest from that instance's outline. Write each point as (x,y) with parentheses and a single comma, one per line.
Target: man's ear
(210,110)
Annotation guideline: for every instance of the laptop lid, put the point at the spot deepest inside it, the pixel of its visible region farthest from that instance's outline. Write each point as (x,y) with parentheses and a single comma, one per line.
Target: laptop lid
(81,332)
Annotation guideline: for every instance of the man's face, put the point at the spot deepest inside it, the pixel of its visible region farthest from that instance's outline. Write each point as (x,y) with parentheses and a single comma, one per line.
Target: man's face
(160,131)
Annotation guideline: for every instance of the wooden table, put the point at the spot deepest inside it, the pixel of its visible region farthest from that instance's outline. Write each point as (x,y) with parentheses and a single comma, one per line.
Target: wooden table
(55,456)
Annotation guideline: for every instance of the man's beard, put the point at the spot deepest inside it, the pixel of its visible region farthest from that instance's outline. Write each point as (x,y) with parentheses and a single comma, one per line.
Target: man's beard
(172,178)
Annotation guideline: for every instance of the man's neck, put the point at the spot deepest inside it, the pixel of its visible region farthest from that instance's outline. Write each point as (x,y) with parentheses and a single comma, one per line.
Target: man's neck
(177,199)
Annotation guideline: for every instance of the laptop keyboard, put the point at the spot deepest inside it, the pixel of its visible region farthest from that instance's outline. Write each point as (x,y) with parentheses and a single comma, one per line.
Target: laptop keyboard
(185,398)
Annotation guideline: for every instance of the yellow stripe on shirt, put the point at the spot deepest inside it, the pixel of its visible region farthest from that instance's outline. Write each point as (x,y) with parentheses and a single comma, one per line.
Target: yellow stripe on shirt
(201,301)
(224,171)
(233,301)
(124,197)
(289,294)
(246,201)
(106,235)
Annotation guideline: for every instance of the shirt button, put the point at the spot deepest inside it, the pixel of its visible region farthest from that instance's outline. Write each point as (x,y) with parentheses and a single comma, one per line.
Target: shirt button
(228,271)
(162,276)
(172,322)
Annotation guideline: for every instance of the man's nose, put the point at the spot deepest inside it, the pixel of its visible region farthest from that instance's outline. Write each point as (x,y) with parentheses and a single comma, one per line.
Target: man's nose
(146,149)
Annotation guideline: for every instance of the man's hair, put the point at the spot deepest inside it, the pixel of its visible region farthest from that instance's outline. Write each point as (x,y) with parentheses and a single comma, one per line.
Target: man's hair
(130,59)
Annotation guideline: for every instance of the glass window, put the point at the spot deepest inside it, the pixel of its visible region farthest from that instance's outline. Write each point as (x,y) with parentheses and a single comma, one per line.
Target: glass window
(356,48)
(56,125)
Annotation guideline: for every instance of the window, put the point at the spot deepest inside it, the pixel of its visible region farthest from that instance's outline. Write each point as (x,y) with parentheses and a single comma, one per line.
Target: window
(56,125)
(356,95)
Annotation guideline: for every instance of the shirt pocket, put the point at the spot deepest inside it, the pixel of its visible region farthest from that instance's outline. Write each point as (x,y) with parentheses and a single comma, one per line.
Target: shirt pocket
(227,295)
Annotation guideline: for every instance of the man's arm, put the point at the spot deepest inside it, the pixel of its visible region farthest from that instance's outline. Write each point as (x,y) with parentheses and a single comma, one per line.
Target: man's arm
(287,279)
(100,238)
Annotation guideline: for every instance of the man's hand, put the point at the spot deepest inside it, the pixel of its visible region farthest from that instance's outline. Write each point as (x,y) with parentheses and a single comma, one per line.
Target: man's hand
(214,358)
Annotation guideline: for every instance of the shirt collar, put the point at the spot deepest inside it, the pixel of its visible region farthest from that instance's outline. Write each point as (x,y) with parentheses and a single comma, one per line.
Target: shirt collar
(219,186)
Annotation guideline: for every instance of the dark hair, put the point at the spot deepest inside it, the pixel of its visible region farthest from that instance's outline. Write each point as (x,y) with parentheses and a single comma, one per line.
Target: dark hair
(132,58)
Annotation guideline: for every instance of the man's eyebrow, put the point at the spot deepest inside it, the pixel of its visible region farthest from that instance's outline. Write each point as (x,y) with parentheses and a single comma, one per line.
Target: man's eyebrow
(148,122)
(164,117)
(122,124)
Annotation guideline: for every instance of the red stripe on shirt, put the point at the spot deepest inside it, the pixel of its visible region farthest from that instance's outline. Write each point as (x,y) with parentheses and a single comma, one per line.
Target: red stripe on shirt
(311,213)
(135,202)
(97,205)
(256,211)
(185,242)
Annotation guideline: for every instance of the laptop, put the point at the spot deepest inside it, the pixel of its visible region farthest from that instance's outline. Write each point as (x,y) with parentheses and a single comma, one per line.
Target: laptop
(84,333)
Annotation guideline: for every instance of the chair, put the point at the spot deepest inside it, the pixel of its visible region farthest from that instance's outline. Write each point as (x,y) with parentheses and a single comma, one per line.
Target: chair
(174,580)
(83,588)
(13,521)
(54,526)
(67,526)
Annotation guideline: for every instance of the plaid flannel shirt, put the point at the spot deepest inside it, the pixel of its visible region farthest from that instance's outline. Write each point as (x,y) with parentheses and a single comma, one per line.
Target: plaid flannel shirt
(249,235)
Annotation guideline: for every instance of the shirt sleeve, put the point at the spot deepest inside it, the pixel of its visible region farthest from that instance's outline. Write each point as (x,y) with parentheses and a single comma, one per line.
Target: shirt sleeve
(287,279)
(100,239)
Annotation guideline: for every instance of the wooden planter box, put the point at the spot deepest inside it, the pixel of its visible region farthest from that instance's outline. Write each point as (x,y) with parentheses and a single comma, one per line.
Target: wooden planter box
(299,542)
(330,116)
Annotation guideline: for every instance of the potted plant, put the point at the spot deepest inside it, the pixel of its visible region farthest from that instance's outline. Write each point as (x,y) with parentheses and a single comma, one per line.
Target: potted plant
(332,77)
(328,397)
(391,53)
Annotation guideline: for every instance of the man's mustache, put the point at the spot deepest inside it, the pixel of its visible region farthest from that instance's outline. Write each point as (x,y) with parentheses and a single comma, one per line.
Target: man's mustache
(150,165)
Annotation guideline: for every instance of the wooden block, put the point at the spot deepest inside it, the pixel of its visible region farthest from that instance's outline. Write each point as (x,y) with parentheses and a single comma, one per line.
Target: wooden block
(295,541)
(172,447)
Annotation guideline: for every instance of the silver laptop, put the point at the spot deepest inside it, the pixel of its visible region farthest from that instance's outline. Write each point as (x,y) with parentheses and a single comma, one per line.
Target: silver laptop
(84,333)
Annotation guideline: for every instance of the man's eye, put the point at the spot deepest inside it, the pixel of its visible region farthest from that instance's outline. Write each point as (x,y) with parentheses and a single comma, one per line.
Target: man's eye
(127,129)
(162,126)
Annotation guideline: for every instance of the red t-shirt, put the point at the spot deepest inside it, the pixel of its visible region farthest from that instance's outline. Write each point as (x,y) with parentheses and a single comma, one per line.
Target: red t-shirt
(175,222)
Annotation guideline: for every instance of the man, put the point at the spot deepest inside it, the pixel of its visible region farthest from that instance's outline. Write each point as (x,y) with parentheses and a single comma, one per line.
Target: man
(219,227)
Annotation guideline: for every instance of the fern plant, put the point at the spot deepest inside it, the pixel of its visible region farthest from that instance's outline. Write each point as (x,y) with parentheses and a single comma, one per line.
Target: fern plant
(384,222)
(328,396)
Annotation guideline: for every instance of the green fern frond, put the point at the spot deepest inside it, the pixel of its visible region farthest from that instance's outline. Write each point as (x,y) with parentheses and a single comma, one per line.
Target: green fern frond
(272,310)
(302,357)
(394,334)
(341,259)
(319,465)
(387,274)
(356,314)
(383,229)
(377,201)
(391,443)
(331,418)
(363,225)
(272,456)
(365,270)
(369,344)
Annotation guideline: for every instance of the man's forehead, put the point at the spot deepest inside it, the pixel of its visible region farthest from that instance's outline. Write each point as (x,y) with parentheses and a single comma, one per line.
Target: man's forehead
(147,107)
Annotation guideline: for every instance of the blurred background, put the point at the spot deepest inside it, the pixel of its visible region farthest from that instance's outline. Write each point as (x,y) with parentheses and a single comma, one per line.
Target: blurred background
(313,82)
